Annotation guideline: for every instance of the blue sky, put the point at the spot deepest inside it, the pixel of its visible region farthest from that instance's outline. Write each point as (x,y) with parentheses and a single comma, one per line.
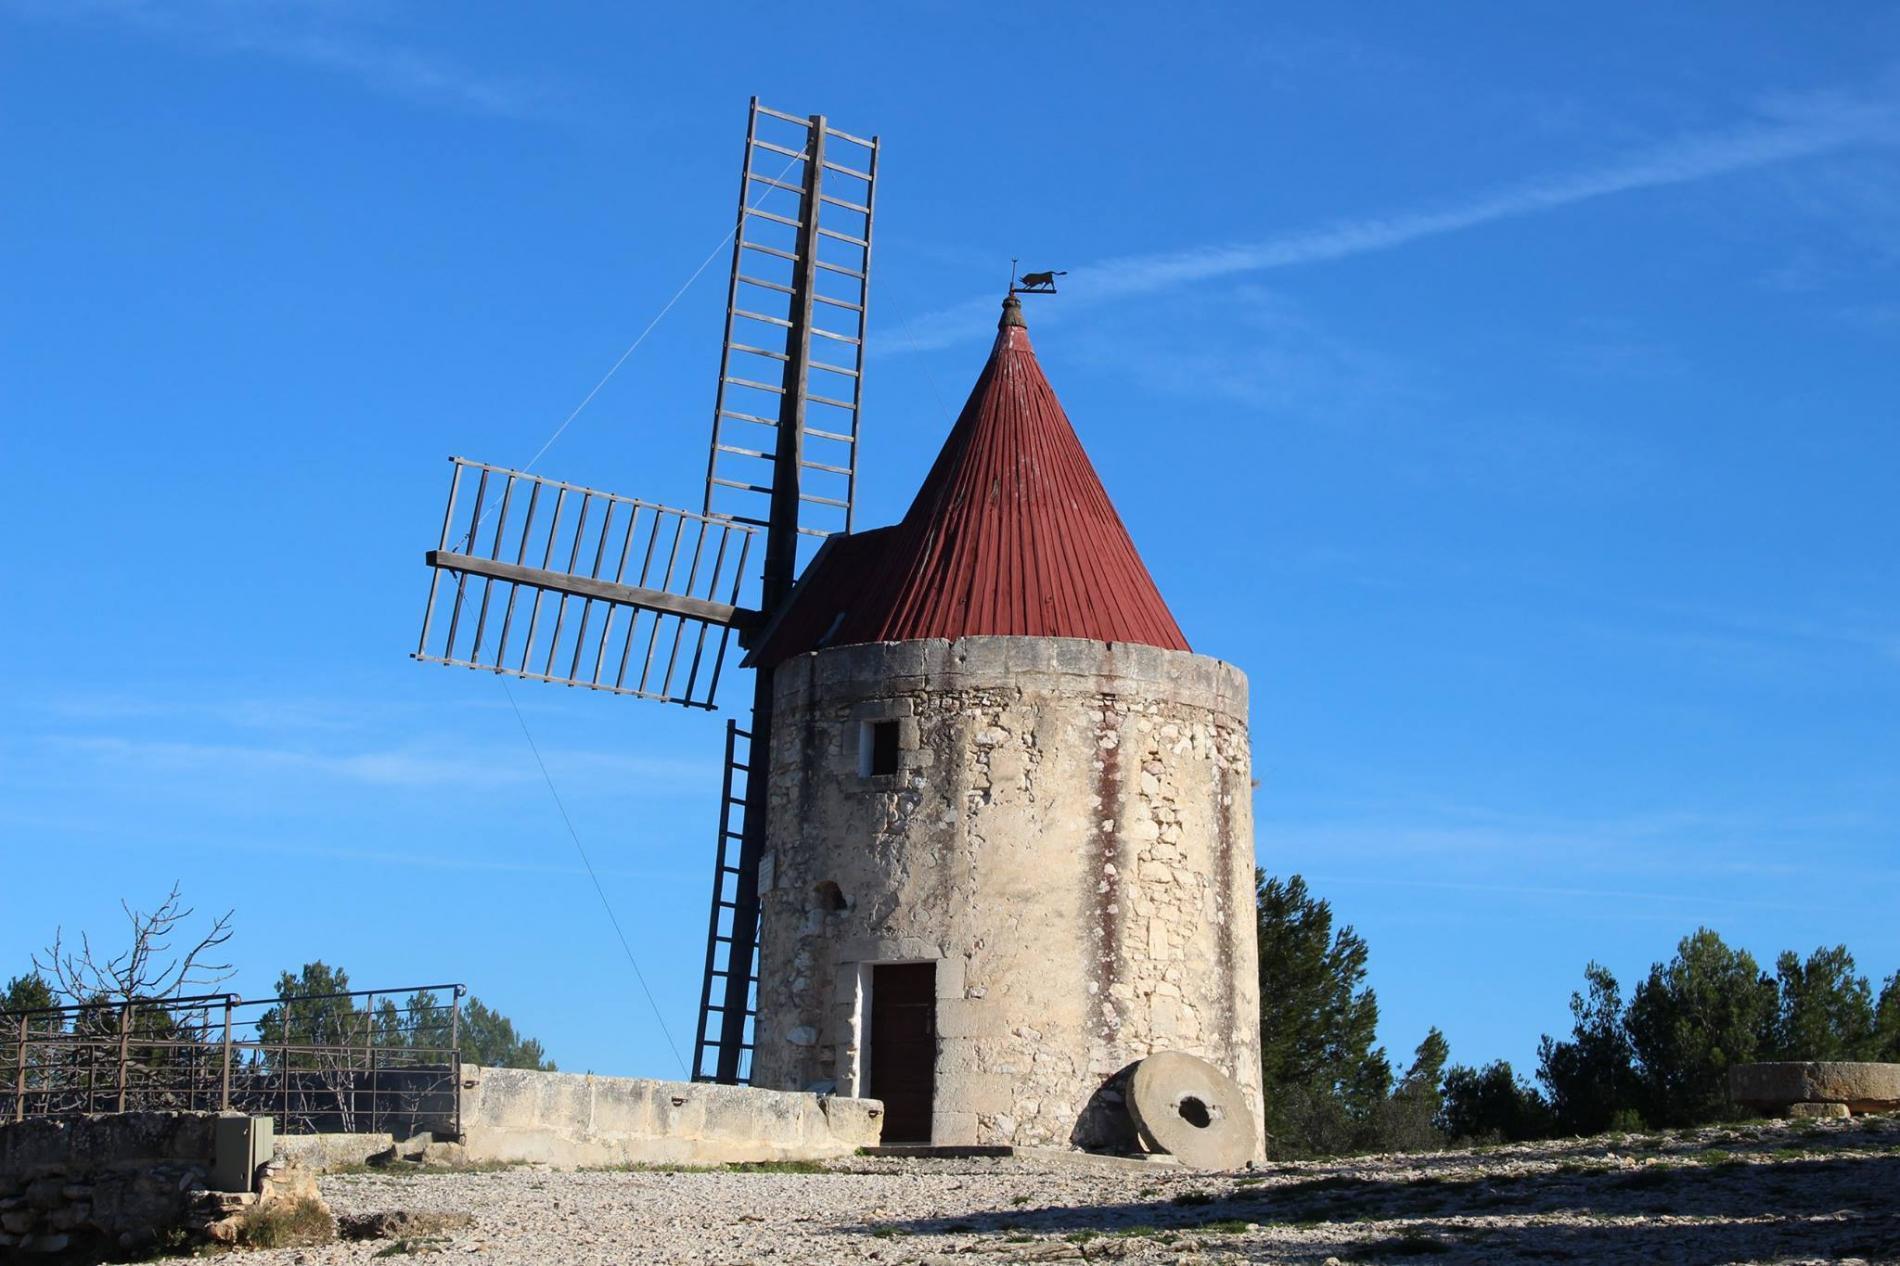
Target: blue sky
(1509,389)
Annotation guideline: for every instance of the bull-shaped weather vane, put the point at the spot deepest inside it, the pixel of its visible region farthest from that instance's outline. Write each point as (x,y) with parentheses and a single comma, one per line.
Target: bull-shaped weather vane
(1043,283)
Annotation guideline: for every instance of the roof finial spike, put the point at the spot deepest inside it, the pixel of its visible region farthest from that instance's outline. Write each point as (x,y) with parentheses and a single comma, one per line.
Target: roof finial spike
(1012,314)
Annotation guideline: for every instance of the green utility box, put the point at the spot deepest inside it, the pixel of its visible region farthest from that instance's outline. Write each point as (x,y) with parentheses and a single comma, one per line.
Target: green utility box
(240,1146)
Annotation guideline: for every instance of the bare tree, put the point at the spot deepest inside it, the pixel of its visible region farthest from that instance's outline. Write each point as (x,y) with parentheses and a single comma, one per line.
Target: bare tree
(150,969)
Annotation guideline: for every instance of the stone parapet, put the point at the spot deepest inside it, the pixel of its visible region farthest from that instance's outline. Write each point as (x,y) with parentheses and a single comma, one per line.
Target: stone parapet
(569,1119)
(1778,1087)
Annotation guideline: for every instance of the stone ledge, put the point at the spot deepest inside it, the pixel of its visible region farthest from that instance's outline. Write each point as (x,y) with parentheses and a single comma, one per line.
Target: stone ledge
(879,669)
(569,1119)
(1861,1087)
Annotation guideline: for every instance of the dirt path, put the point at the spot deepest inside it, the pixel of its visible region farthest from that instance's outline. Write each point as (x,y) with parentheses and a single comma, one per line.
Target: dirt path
(1763,1193)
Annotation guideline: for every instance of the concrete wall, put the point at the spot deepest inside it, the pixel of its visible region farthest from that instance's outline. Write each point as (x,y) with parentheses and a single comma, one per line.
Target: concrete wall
(511,1114)
(1069,837)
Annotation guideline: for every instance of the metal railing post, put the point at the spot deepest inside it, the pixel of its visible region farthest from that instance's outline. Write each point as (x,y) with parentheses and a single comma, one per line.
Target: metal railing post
(284,1123)
(376,1112)
(224,1090)
(369,1063)
(19,1076)
(125,1043)
(455,1057)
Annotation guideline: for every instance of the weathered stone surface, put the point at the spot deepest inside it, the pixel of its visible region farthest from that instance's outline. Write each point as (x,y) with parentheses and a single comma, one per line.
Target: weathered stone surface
(283,1180)
(334,1151)
(45,1194)
(1863,1087)
(1193,1111)
(1068,838)
(1818,1110)
(579,1119)
(222,1202)
(87,1185)
(392,1224)
(74,1145)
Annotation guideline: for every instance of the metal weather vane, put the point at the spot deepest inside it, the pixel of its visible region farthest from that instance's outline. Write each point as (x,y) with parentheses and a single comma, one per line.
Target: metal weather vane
(1042,283)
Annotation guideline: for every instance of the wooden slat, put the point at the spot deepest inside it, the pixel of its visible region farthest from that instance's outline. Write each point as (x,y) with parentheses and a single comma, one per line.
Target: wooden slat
(711,612)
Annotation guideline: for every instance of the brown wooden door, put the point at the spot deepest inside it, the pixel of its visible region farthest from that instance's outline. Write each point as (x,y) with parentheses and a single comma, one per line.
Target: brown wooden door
(904,1047)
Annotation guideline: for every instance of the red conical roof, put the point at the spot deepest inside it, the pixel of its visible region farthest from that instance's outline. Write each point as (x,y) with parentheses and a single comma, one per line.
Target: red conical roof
(1011,533)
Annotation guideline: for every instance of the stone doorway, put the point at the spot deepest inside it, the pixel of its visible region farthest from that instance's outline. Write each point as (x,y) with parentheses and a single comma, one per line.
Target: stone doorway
(904,1047)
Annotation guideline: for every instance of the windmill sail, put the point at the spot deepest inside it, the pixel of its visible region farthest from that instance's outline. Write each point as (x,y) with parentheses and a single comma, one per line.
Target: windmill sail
(796,304)
(784,458)
(561,583)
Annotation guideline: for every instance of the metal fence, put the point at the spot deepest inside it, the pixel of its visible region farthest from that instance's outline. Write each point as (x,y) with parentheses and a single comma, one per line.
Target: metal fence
(382,1061)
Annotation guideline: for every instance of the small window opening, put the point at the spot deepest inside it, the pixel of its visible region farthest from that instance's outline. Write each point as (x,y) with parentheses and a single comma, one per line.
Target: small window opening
(829,896)
(877,748)
(1195,1113)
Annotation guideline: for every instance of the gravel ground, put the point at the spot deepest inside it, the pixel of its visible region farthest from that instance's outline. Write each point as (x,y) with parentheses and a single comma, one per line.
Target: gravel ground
(1810,1192)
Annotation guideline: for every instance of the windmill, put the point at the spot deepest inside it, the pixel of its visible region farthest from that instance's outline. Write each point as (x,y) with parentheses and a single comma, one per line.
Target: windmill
(562,583)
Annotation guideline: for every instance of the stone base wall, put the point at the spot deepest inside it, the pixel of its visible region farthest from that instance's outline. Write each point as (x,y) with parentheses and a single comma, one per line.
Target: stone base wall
(107,1184)
(1066,836)
(511,1114)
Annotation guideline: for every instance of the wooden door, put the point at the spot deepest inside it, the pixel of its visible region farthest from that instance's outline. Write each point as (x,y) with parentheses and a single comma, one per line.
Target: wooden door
(904,1047)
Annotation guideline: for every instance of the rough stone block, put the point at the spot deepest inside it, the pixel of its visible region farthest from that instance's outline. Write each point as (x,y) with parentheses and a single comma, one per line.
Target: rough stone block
(603,1120)
(1864,1087)
(1817,1110)
(965,1017)
(953,1129)
(985,1094)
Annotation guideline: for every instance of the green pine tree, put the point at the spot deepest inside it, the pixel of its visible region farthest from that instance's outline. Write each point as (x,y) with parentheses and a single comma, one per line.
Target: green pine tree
(1325,1078)
(1886,1043)
(1826,1012)
(28,993)
(489,1038)
(1707,1008)
(1590,1079)
(1492,1104)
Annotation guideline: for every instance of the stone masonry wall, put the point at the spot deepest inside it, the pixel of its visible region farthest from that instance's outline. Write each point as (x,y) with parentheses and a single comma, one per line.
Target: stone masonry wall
(1068,837)
(101,1184)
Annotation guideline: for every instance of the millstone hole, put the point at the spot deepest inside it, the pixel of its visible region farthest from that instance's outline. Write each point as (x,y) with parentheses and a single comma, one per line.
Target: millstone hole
(1194,1112)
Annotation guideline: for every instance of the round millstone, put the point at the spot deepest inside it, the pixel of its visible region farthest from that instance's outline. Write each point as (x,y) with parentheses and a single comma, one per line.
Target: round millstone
(1192,1110)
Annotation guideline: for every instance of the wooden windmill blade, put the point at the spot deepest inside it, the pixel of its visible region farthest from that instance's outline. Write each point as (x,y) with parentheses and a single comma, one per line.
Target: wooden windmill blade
(784,459)
(791,370)
(562,583)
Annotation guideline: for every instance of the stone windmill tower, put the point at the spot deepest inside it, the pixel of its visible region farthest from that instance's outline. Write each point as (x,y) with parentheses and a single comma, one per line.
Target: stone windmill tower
(1011,849)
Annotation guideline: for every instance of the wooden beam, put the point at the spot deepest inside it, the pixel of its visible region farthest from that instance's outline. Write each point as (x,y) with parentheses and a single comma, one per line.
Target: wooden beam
(711,612)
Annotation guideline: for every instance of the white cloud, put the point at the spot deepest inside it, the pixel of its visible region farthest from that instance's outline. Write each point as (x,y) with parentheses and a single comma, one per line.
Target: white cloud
(329,35)
(392,767)
(1788,129)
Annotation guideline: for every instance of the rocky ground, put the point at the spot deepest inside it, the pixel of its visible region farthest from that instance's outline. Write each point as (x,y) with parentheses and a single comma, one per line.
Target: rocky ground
(1768,1192)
